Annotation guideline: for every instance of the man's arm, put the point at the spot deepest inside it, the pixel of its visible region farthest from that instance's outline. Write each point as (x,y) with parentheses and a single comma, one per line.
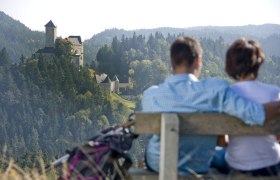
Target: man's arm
(250,112)
(147,102)
(272,110)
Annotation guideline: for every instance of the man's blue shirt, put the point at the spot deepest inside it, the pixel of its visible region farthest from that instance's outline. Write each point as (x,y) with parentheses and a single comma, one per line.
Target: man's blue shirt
(185,93)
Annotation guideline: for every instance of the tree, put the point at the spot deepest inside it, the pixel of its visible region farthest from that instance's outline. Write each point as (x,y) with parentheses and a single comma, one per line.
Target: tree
(63,47)
(105,60)
(147,73)
(4,58)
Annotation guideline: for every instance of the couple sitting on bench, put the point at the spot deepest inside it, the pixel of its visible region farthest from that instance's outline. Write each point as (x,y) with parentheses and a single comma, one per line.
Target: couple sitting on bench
(252,101)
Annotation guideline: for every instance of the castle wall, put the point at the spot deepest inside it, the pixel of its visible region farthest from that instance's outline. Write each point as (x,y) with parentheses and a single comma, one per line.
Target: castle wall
(45,56)
(79,50)
(78,60)
(81,61)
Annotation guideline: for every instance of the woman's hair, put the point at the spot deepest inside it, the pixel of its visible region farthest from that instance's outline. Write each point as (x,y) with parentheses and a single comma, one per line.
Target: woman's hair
(243,58)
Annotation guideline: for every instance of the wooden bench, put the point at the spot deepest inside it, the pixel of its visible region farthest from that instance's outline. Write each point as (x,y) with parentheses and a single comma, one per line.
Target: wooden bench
(170,125)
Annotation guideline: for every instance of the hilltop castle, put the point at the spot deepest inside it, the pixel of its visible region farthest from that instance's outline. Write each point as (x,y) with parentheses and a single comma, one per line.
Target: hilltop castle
(49,50)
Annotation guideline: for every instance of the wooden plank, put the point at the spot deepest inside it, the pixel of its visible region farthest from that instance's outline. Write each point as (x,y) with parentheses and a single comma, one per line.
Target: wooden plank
(169,147)
(205,124)
(143,174)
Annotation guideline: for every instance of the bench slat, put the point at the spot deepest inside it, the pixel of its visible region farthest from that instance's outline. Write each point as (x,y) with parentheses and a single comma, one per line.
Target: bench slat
(205,124)
(143,174)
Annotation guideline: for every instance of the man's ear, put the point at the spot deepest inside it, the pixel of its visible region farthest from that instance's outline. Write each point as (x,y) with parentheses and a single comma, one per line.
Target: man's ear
(197,62)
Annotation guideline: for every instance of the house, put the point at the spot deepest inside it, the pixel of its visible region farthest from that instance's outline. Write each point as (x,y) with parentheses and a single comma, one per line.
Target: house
(114,85)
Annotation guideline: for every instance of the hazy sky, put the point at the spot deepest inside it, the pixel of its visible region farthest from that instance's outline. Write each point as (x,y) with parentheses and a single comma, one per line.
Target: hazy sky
(88,17)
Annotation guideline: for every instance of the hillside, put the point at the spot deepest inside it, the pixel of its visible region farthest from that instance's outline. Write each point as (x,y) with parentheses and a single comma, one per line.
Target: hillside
(18,39)
(126,103)
(267,34)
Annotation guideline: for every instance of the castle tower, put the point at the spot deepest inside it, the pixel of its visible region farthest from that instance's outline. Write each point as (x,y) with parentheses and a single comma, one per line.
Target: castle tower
(50,34)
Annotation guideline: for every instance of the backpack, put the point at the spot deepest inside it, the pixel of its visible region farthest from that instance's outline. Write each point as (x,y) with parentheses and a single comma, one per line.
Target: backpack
(104,156)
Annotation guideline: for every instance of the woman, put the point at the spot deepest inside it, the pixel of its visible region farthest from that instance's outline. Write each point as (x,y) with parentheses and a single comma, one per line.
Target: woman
(258,155)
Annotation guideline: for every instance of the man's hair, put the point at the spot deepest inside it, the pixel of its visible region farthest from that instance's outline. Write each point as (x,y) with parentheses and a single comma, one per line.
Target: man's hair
(185,49)
(244,57)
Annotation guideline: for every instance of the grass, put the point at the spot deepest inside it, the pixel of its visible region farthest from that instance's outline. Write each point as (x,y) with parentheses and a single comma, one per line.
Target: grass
(14,172)
(127,103)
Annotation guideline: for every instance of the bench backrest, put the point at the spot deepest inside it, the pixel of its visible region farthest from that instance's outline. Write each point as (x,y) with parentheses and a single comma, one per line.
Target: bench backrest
(204,124)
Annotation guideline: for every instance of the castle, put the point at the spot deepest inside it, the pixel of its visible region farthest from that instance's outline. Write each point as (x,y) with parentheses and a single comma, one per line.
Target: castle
(49,50)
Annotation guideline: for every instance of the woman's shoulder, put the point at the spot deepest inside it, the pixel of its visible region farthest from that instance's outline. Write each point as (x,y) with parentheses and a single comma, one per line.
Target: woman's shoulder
(255,84)
(257,90)
(268,86)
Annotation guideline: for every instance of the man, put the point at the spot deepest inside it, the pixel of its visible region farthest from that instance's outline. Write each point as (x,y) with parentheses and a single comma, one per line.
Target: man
(183,92)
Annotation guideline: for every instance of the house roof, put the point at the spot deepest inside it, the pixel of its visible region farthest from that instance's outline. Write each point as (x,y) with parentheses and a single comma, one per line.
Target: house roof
(50,24)
(100,78)
(46,50)
(75,39)
(107,80)
(115,78)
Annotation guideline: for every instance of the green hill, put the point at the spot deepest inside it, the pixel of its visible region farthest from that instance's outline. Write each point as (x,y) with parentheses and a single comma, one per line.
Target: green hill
(18,39)
(125,102)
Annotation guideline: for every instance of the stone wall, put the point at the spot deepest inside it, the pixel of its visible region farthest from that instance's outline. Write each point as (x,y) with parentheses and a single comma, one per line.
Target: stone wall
(50,37)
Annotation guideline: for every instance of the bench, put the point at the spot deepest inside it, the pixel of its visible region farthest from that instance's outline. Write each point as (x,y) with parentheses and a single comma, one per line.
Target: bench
(170,125)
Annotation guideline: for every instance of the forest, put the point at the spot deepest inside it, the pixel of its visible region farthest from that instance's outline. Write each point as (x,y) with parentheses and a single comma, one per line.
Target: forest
(48,106)
(146,60)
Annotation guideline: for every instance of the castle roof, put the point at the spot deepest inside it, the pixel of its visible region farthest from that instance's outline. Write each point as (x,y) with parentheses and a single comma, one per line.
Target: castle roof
(50,24)
(75,39)
(49,50)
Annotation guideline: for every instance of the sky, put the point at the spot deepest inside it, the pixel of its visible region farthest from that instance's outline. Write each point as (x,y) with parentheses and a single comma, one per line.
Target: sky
(89,17)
